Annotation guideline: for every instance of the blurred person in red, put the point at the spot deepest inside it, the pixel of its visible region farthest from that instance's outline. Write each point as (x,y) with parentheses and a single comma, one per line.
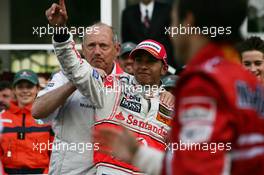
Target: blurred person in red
(22,137)
(6,94)
(252,56)
(222,112)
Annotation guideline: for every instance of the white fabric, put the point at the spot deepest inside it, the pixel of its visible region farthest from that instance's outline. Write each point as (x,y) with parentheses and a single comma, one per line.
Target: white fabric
(72,124)
(143,9)
(149,160)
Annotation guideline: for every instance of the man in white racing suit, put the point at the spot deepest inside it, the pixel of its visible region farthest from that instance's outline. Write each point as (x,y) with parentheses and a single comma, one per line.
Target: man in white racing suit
(71,113)
(132,102)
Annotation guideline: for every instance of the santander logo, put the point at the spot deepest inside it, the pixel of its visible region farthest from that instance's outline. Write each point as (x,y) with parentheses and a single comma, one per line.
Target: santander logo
(133,121)
(120,116)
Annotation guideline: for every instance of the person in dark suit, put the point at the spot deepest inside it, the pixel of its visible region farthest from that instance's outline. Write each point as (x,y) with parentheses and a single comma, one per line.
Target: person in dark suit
(147,20)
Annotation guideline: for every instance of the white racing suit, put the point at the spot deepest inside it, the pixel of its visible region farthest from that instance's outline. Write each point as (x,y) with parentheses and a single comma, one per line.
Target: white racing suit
(121,101)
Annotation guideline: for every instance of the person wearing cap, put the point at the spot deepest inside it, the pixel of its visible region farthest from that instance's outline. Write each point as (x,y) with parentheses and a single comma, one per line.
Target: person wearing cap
(169,82)
(126,101)
(124,60)
(71,113)
(22,137)
(218,124)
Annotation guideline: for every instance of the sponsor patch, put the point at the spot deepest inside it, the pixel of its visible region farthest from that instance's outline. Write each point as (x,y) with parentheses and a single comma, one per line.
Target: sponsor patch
(195,133)
(95,74)
(247,98)
(120,116)
(50,84)
(152,45)
(165,111)
(131,97)
(39,121)
(6,121)
(197,116)
(86,105)
(199,109)
(164,119)
(133,106)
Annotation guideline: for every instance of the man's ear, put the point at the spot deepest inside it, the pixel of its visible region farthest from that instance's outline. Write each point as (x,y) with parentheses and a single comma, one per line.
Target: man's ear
(164,69)
(83,50)
(118,48)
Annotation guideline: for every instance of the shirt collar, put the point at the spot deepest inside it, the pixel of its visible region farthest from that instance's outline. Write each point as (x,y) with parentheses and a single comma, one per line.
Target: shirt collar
(114,69)
(143,9)
(13,108)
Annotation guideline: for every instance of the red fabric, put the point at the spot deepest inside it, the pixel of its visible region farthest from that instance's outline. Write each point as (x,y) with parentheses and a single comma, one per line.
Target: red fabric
(22,153)
(209,75)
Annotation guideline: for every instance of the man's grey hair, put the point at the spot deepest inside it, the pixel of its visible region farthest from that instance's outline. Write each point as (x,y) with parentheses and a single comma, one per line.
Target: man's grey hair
(99,24)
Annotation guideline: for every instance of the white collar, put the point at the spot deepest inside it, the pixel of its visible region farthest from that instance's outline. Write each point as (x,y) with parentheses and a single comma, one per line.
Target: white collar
(143,9)
(114,69)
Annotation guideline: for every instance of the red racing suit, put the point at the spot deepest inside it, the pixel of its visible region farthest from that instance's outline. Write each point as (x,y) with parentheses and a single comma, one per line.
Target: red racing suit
(139,111)
(220,108)
(21,151)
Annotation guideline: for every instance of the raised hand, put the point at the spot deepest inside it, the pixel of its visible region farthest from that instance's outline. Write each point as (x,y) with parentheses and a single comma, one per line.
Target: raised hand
(57,14)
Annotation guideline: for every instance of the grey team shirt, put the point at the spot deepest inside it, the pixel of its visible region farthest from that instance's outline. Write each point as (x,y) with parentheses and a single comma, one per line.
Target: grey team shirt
(72,148)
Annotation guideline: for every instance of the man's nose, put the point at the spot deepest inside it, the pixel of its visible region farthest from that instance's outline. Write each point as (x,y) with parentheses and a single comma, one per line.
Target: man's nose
(253,68)
(97,49)
(143,65)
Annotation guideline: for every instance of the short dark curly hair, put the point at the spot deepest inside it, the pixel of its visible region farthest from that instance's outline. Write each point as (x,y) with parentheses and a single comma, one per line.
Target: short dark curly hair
(252,43)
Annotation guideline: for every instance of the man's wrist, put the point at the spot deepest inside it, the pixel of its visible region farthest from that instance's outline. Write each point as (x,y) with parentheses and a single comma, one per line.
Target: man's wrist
(62,35)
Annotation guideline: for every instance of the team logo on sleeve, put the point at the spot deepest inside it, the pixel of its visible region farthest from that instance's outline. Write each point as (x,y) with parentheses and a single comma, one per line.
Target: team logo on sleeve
(164,115)
(197,116)
(95,74)
(50,84)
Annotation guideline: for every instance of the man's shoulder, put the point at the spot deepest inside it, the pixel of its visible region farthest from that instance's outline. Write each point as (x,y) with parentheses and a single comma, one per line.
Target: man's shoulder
(163,6)
(219,71)
(131,8)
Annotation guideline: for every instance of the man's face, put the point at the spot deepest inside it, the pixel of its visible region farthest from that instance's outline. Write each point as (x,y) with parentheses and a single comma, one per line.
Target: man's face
(126,63)
(254,62)
(25,92)
(5,98)
(99,49)
(147,69)
(42,82)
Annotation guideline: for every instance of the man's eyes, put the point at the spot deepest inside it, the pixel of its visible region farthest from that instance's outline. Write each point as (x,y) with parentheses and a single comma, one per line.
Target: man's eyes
(258,63)
(102,46)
